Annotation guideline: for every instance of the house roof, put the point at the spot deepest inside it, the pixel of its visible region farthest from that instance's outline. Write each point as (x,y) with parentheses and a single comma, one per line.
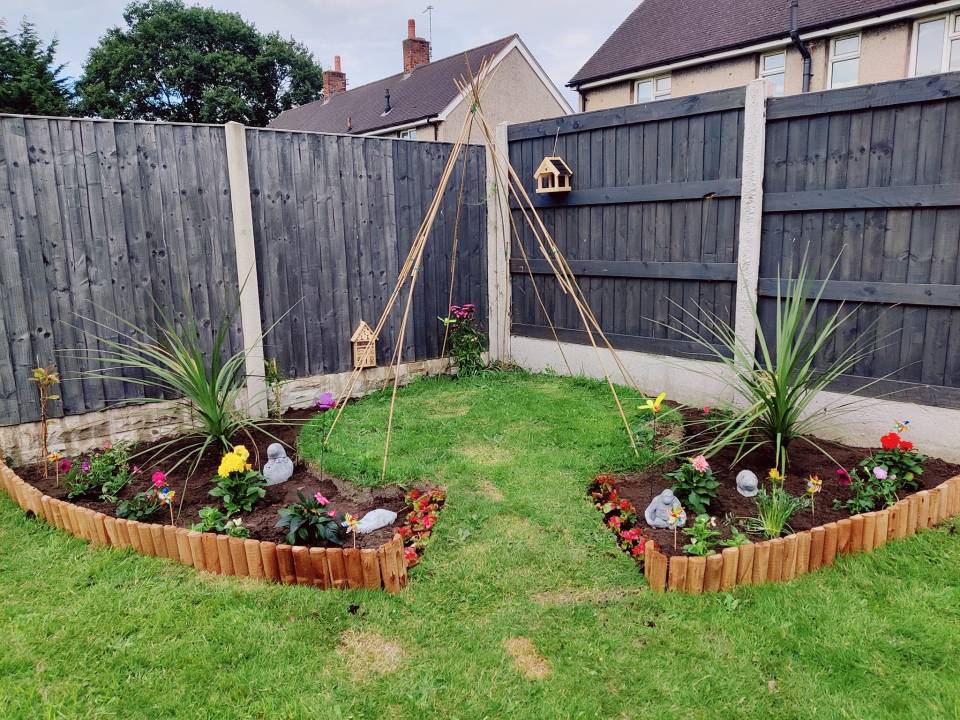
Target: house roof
(422,93)
(665,31)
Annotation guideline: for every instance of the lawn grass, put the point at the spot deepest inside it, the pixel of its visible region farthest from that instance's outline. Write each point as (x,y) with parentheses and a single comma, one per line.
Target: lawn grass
(518,552)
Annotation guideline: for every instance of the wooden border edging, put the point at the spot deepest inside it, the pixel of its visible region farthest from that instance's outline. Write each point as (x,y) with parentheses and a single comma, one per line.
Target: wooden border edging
(385,567)
(783,559)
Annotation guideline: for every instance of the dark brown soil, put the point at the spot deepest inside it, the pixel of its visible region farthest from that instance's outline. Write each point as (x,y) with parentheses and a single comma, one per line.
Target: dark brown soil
(805,460)
(343,496)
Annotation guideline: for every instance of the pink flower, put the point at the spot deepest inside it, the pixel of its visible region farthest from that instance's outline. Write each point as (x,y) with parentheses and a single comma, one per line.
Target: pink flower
(321,499)
(410,554)
(706,409)
(332,513)
(326,401)
(85,466)
(428,521)
(159,479)
(65,465)
(843,477)
(880,473)
(700,464)
(631,535)
(614,521)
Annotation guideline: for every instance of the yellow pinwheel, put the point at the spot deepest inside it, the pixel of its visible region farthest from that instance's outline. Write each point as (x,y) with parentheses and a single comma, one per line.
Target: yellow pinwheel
(656,405)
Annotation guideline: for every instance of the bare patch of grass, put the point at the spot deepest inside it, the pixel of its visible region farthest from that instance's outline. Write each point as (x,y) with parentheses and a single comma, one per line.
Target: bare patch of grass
(491,491)
(368,653)
(485,453)
(583,596)
(526,658)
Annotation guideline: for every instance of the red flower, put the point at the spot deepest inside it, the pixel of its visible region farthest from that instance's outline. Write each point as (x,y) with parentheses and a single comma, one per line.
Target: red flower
(624,504)
(905,445)
(410,554)
(414,494)
(614,521)
(631,535)
(428,521)
(636,550)
(890,441)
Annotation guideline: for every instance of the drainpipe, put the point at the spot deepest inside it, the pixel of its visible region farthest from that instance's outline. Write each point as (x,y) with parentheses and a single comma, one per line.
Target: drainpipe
(800,45)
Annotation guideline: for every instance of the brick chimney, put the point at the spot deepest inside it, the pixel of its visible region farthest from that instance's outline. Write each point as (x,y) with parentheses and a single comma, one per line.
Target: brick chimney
(334,81)
(416,50)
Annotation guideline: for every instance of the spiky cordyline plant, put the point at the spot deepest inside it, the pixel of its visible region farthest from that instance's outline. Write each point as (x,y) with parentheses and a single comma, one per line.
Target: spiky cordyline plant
(779,386)
(208,384)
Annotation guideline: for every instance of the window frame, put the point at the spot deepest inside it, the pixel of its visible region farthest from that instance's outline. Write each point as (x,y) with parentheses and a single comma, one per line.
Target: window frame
(764,74)
(834,57)
(408,134)
(655,95)
(951,28)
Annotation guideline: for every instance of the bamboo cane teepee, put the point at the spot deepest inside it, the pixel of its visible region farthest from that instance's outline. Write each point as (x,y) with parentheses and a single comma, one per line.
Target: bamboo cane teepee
(472,87)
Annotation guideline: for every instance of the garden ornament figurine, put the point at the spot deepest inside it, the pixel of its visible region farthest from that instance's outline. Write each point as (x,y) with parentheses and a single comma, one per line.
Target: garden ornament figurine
(279,467)
(376,519)
(657,513)
(747,483)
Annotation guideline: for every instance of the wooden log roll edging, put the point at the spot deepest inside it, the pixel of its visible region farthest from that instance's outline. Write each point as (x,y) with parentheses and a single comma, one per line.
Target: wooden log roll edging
(783,559)
(382,568)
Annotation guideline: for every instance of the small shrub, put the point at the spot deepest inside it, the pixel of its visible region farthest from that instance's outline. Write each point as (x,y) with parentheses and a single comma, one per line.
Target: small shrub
(869,489)
(736,539)
(774,509)
(311,520)
(140,507)
(467,343)
(704,538)
(216,521)
(106,471)
(693,483)
(238,485)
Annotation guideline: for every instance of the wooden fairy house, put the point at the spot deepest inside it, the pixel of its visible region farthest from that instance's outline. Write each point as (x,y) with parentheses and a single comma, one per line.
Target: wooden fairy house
(364,347)
(554,176)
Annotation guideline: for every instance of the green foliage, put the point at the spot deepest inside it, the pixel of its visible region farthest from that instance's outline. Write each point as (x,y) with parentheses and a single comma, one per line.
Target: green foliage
(695,489)
(273,376)
(139,507)
(906,466)
(311,521)
(215,520)
(30,84)
(107,471)
(239,490)
(704,538)
(781,379)
(774,510)
(869,491)
(467,343)
(187,63)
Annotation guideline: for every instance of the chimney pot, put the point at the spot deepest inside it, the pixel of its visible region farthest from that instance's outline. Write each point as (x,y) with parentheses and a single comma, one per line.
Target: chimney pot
(336,63)
(411,28)
(416,50)
(334,81)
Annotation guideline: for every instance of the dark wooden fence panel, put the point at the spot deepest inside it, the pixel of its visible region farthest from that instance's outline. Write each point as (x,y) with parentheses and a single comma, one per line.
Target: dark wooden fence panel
(334,218)
(103,224)
(870,175)
(650,227)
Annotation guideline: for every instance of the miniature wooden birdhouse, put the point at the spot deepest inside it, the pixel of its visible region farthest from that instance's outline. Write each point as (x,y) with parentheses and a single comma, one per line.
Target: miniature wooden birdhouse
(364,347)
(554,176)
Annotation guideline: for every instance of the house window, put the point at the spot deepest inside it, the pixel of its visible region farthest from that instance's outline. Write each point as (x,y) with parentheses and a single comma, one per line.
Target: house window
(936,45)
(772,69)
(410,134)
(844,61)
(652,89)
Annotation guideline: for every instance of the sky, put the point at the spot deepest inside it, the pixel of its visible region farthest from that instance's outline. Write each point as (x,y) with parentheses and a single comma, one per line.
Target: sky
(367,34)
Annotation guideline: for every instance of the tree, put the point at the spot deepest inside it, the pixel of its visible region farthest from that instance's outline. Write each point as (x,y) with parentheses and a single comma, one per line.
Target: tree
(29,81)
(193,64)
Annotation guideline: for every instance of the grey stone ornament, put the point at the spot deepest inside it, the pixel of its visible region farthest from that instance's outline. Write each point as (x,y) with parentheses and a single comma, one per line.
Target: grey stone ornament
(279,467)
(747,483)
(657,513)
(376,519)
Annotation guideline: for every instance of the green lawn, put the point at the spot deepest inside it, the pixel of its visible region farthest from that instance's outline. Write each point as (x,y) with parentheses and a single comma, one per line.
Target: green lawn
(518,553)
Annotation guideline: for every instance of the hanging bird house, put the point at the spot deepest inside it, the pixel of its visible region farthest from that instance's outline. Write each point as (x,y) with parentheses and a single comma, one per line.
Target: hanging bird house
(364,347)
(554,176)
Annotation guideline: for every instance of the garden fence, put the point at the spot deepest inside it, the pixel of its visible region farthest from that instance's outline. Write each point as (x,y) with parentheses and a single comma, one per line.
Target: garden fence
(659,211)
(105,221)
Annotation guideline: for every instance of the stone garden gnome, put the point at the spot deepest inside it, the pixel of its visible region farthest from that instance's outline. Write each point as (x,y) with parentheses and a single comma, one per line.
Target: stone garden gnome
(279,467)
(657,513)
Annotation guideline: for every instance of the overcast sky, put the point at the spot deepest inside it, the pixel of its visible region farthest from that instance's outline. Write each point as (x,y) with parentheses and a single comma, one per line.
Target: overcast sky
(367,34)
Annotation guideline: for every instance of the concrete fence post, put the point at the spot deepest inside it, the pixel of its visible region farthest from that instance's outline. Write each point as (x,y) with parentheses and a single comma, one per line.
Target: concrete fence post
(237,170)
(498,249)
(751,213)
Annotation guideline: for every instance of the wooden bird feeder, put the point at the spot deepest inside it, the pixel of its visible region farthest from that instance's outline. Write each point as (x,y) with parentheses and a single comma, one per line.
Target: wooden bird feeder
(554,176)
(364,347)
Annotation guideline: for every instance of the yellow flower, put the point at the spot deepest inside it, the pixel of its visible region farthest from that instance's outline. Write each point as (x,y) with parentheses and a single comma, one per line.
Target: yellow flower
(230,463)
(775,475)
(654,405)
(241,452)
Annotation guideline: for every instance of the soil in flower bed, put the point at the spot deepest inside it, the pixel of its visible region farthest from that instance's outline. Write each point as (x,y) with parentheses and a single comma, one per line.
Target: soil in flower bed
(805,460)
(344,496)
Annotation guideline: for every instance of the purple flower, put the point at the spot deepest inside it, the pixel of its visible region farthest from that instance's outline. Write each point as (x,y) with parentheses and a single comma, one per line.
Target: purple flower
(880,473)
(843,478)
(65,465)
(85,466)
(326,401)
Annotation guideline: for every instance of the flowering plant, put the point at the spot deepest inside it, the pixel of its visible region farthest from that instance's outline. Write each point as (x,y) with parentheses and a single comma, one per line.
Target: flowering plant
(694,484)
(215,520)
(106,470)
(424,507)
(869,489)
(620,515)
(814,485)
(774,508)
(311,519)
(897,458)
(237,484)
(703,535)
(466,341)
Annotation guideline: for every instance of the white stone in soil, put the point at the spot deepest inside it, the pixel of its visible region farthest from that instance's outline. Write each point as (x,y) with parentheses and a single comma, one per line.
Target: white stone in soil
(376,519)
